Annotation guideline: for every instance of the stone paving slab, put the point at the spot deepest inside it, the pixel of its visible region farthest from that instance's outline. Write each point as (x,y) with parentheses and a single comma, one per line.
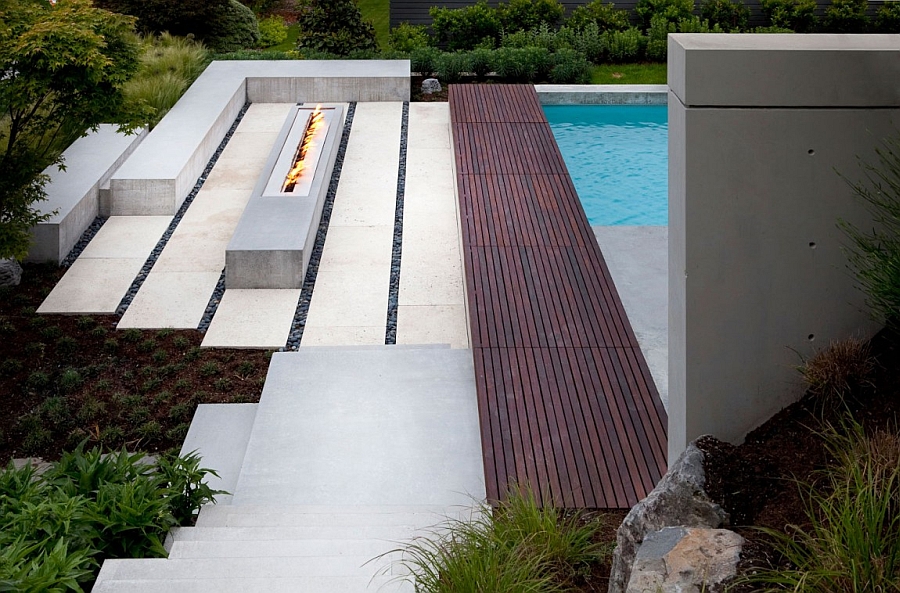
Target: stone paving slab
(92,287)
(358,248)
(342,336)
(344,299)
(433,324)
(126,237)
(170,299)
(252,318)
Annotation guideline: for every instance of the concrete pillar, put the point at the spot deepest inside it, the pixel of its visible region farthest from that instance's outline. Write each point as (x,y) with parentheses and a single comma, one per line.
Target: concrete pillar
(759,128)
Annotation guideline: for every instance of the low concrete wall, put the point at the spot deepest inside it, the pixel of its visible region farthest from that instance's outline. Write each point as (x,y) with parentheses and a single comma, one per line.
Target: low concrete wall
(75,192)
(158,177)
(758,127)
(602,94)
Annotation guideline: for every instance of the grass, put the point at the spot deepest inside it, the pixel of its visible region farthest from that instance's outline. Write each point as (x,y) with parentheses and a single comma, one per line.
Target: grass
(379,12)
(629,74)
(518,546)
(290,43)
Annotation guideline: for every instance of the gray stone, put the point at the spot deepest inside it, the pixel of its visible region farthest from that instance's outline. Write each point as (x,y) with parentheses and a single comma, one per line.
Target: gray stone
(431,85)
(685,560)
(679,499)
(10,272)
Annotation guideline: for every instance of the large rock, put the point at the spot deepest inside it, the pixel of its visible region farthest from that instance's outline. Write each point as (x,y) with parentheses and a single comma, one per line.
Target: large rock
(685,560)
(10,272)
(431,85)
(679,499)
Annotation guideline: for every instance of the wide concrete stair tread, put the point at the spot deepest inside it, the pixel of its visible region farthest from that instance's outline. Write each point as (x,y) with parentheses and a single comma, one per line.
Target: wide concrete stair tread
(323,516)
(383,584)
(366,549)
(396,533)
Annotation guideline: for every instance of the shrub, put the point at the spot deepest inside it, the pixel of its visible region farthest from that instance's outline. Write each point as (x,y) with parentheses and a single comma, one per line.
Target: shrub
(465,28)
(570,67)
(592,43)
(405,37)
(178,17)
(234,27)
(731,16)
(657,42)
(334,26)
(874,251)
(272,31)
(625,46)
(542,36)
(846,16)
(518,546)
(451,67)
(887,18)
(481,62)
(518,15)
(603,14)
(796,15)
(839,369)
(527,64)
(671,10)
(424,60)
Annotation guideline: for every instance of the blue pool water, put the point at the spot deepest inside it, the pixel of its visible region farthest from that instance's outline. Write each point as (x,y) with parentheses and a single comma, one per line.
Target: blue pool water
(618,159)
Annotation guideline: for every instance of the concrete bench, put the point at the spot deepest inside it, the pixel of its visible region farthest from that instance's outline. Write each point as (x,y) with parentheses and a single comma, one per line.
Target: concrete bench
(157,178)
(75,192)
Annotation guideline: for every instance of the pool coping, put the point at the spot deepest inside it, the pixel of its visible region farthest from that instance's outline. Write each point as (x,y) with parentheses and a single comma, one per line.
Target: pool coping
(602,94)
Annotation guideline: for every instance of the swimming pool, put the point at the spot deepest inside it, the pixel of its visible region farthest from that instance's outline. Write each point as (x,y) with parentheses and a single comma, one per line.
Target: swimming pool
(617,156)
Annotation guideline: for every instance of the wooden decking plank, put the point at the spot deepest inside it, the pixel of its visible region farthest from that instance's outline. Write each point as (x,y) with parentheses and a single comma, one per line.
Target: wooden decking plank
(565,397)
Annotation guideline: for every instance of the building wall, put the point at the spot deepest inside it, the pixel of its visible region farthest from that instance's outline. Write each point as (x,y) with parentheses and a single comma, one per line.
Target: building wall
(759,128)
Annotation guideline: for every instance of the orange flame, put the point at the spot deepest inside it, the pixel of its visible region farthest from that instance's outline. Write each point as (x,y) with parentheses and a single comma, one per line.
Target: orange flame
(315,121)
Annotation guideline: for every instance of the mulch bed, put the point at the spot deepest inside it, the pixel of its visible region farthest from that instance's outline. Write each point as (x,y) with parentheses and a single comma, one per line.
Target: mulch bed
(758,482)
(68,379)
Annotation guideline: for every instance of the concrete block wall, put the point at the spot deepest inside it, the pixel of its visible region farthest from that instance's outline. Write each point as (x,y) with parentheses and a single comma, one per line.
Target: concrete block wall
(759,127)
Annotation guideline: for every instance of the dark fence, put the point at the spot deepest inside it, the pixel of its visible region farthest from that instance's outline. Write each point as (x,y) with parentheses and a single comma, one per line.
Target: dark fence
(416,11)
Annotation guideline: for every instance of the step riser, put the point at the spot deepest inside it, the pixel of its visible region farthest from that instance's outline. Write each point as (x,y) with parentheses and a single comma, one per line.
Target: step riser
(303,585)
(377,533)
(161,569)
(274,549)
(420,521)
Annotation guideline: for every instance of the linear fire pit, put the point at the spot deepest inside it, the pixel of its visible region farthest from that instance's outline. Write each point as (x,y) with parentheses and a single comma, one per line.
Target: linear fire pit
(271,245)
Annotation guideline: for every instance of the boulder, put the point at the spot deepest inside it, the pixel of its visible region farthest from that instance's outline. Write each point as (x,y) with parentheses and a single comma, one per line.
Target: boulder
(10,272)
(679,499)
(685,560)
(431,85)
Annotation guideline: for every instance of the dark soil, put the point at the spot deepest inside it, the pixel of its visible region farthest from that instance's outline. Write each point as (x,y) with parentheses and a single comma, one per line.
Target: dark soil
(416,93)
(758,482)
(598,579)
(68,379)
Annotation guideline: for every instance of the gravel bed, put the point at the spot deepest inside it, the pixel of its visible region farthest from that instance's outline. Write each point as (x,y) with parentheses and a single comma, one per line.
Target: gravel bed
(312,270)
(154,255)
(88,234)
(390,336)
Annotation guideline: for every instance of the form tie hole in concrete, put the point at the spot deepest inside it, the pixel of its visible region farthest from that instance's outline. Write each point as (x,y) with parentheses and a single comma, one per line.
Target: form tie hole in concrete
(811,337)
(812,244)
(811,152)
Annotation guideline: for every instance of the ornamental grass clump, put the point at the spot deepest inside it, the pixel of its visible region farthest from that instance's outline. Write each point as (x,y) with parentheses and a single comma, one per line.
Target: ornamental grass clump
(517,546)
(840,369)
(852,542)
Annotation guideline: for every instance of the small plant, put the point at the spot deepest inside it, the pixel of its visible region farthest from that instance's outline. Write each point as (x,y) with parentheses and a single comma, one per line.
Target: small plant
(84,322)
(10,366)
(137,415)
(111,435)
(180,342)
(151,384)
(405,37)
(182,411)
(38,380)
(570,67)
(56,410)
(604,15)
(210,369)
(222,384)
(181,385)
(37,322)
(159,356)
(6,327)
(731,16)
(177,433)
(51,333)
(481,62)
(245,369)
(35,350)
(163,397)
(103,385)
(146,345)
(424,60)
(839,369)
(149,431)
(110,345)
(625,46)
(91,409)
(451,67)
(192,354)
(66,346)
(241,398)
(272,31)
(131,335)
(70,380)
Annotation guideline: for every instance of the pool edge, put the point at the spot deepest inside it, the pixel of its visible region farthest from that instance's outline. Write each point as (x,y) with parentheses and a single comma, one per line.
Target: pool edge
(602,94)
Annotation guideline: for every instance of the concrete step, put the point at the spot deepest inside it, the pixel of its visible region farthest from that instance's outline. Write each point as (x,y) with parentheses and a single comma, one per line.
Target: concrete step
(259,585)
(359,548)
(151,569)
(224,516)
(389,533)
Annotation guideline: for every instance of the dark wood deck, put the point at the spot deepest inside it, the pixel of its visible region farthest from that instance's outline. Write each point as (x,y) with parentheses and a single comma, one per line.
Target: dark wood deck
(566,401)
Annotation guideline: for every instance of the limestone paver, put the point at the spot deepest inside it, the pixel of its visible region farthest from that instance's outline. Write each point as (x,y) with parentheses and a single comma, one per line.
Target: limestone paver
(358,248)
(345,299)
(433,324)
(252,318)
(170,299)
(342,336)
(420,284)
(92,286)
(124,237)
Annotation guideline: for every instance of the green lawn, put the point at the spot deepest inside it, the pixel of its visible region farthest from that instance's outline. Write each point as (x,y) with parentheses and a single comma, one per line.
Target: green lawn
(379,12)
(291,42)
(629,74)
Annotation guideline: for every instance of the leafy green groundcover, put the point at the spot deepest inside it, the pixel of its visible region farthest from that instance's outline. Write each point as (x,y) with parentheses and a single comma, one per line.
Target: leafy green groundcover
(57,528)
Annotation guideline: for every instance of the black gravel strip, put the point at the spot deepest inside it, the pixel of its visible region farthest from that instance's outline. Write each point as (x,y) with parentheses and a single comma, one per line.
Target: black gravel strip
(213,304)
(390,333)
(312,270)
(154,255)
(88,234)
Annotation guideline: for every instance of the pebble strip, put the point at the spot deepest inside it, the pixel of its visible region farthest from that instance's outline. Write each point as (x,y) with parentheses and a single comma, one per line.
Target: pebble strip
(88,234)
(390,334)
(213,304)
(154,255)
(312,270)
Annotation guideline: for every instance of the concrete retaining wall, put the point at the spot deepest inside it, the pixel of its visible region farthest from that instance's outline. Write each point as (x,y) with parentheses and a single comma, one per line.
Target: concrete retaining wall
(758,127)
(161,173)
(602,94)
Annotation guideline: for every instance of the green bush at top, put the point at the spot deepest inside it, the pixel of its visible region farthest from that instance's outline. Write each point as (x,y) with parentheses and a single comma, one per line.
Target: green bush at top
(887,18)
(233,28)
(846,16)
(671,10)
(525,64)
(570,67)
(451,66)
(657,42)
(797,15)
(874,249)
(518,15)
(406,37)
(604,14)
(424,60)
(731,16)
(466,28)
(272,31)
(550,39)
(57,528)
(334,26)
(624,46)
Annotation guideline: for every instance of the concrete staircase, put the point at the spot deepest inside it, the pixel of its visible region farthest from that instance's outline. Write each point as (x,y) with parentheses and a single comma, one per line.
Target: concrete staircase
(349,454)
